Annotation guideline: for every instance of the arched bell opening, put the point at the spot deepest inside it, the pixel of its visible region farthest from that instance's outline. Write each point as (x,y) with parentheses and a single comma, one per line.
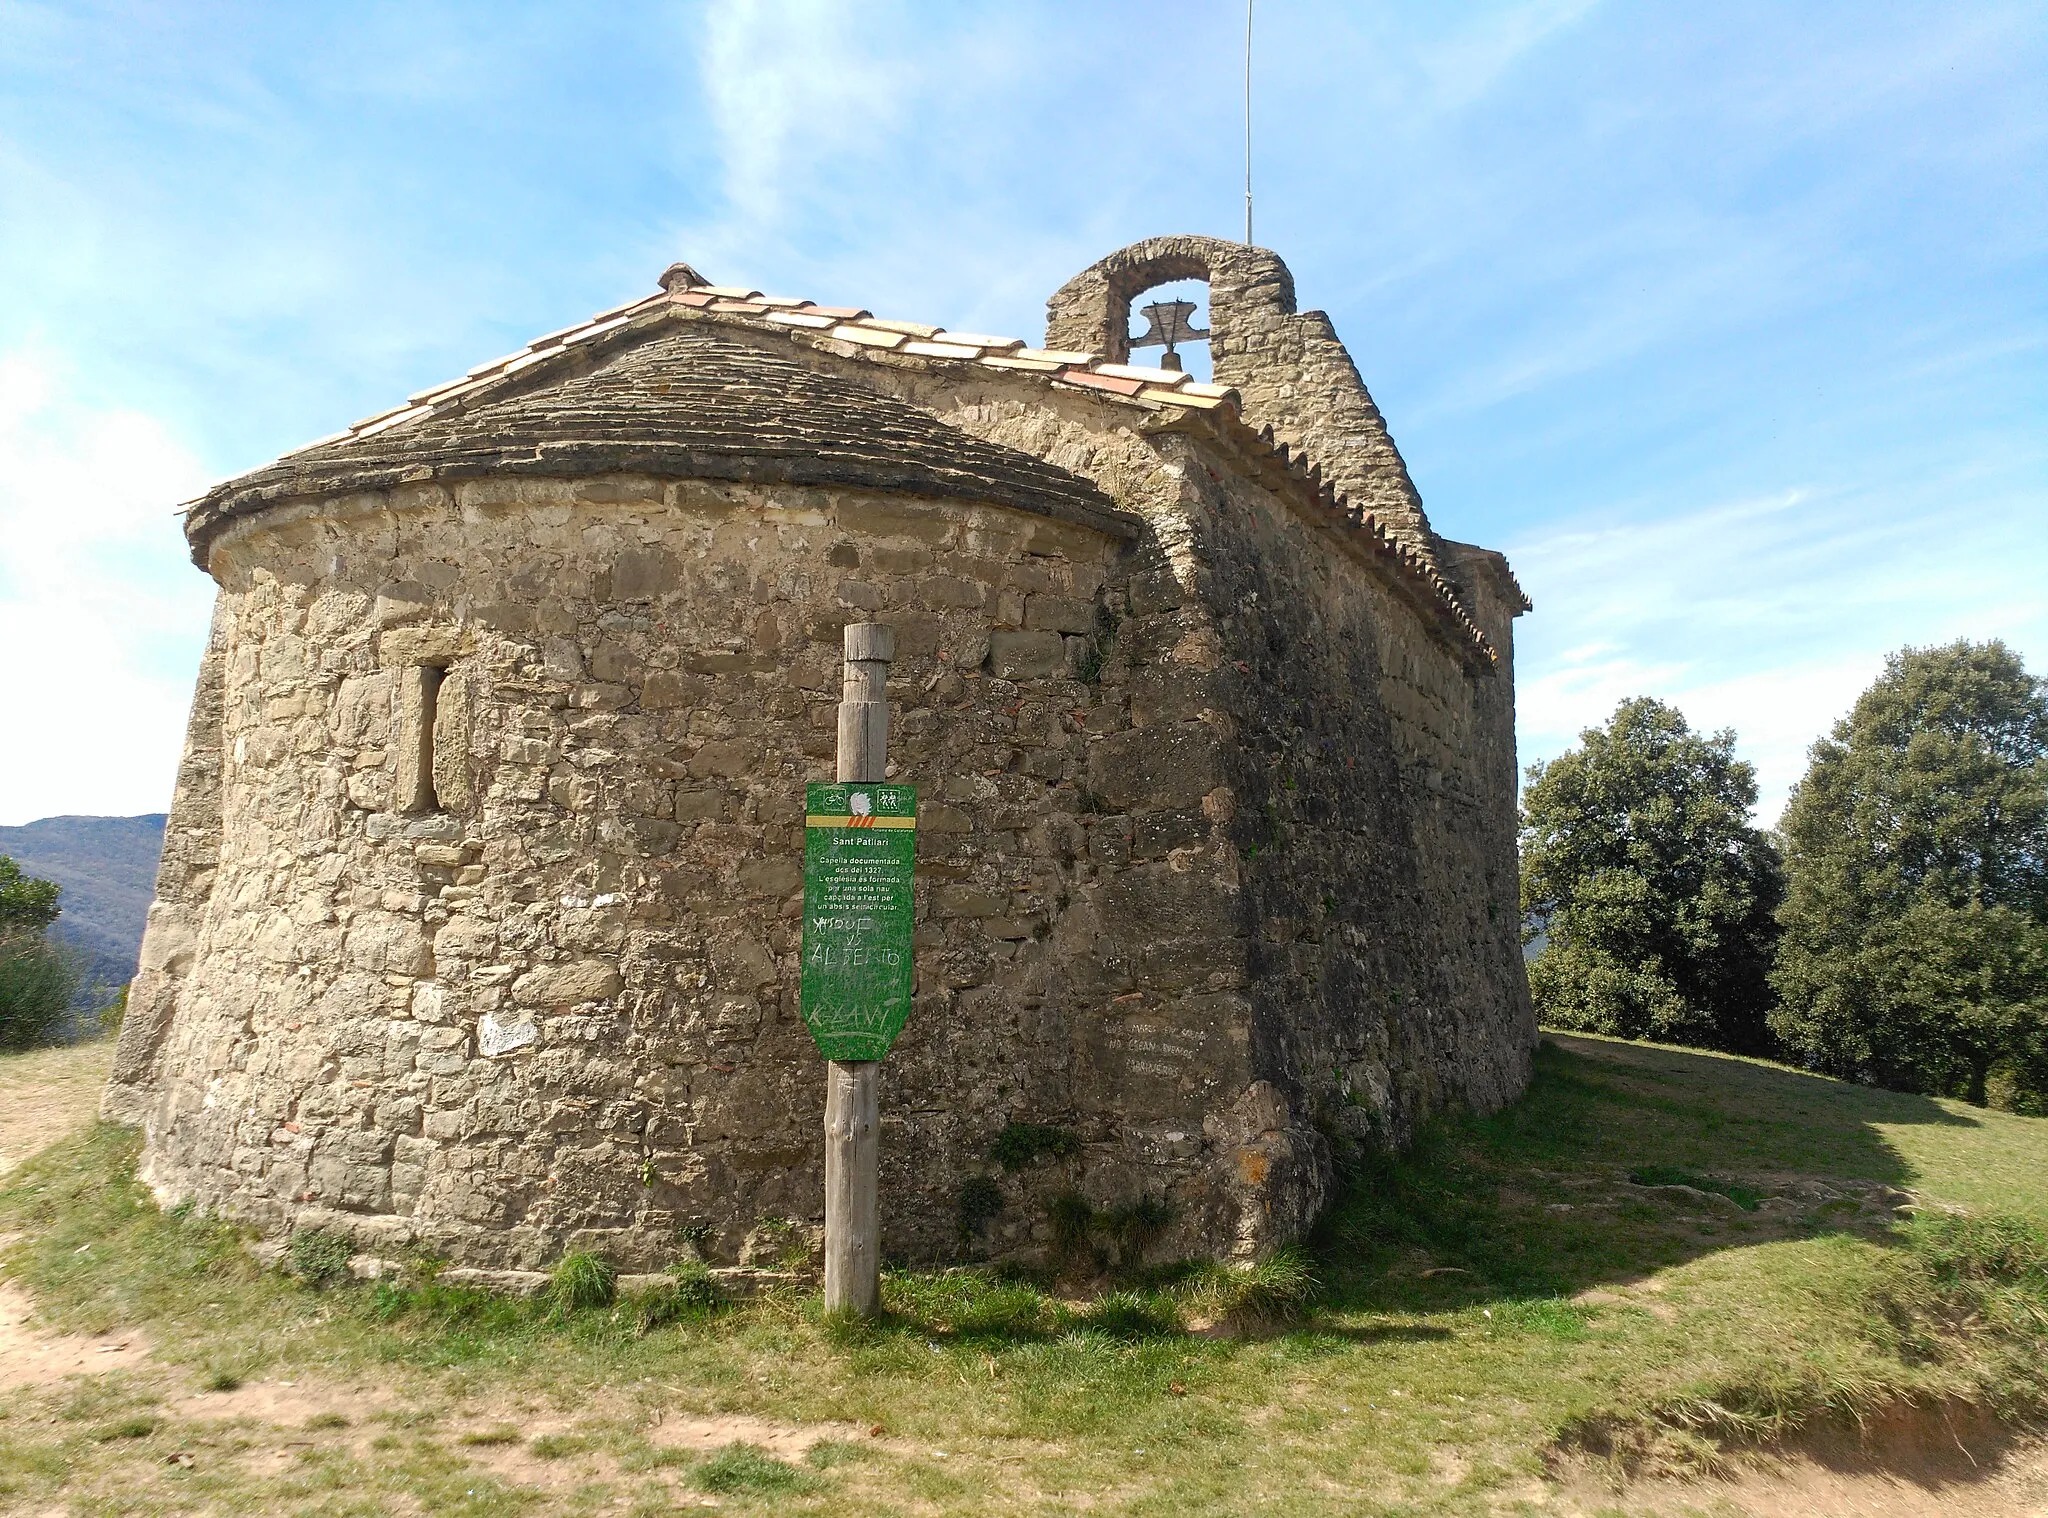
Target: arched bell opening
(1241,289)
(1168,327)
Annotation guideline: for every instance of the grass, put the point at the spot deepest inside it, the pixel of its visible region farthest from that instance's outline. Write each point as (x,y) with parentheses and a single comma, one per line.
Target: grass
(580,1283)
(742,1468)
(1515,1291)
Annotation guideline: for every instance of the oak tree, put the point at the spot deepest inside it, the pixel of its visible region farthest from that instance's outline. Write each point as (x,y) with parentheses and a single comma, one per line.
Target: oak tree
(1916,921)
(1652,891)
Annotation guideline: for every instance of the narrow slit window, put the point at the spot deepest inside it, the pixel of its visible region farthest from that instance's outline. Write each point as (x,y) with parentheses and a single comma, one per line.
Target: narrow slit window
(422,700)
(430,705)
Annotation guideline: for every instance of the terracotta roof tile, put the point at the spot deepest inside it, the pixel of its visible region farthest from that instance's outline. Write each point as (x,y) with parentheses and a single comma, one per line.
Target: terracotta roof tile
(596,329)
(873,337)
(908,329)
(496,363)
(318,442)
(407,414)
(742,307)
(1165,379)
(694,400)
(658,298)
(942,350)
(1016,361)
(378,416)
(801,319)
(844,313)
(550,338)
(1093,381)
(1057,355)
(730,292)
(983,340)
(447,387)
(1182,397)
(785,302)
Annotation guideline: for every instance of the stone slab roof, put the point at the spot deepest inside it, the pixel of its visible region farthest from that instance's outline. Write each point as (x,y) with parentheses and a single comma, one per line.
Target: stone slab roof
(690,403)
(577,401)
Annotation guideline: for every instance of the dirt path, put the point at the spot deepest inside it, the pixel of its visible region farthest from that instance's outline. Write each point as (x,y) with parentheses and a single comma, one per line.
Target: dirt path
(46,1094)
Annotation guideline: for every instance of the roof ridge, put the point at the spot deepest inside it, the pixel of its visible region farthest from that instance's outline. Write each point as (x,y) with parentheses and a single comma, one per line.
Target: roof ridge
(857,332)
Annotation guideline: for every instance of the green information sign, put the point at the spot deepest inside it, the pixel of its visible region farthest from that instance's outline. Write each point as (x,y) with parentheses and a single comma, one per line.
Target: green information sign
(860,847)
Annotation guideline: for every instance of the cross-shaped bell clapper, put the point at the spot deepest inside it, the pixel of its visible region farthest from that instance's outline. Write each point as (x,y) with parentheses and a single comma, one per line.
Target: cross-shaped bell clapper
(1169,328)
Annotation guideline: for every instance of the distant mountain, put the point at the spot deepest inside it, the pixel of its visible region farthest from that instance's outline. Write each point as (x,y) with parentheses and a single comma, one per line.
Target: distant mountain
(107,867)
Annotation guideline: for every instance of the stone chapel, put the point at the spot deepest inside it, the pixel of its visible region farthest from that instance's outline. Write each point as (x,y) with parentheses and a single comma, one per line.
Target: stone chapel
(477,924)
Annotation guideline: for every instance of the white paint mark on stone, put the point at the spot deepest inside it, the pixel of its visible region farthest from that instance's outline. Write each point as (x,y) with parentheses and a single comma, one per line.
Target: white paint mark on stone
(494,1037)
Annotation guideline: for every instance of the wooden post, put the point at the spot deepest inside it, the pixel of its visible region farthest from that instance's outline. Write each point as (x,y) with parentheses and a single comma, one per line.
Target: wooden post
(853,1087)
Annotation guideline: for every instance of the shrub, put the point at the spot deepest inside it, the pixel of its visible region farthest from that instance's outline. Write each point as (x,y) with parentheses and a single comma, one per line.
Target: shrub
(981,1200)
(695,1285)
(1085,1236)
(971,1302)
(1277,1290)
(1135,1227)
(113,1014)
(1131,1315)
(1072,1217)
(319,1257)
(26,903)
(690,1291)
(1021,1145)
(38,982)
(2001,1249)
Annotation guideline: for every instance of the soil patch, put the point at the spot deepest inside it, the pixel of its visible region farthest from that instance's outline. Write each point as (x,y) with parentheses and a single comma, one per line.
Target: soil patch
(1906,1462)
(31,1357)
(287,1404)
(46,1094)
(787,1441)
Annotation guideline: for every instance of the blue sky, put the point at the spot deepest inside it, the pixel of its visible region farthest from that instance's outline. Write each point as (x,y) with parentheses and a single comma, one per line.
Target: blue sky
(1728,323)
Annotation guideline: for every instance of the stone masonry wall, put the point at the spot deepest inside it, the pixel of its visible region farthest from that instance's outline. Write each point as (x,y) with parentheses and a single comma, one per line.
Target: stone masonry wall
(636,679)
(1380,879)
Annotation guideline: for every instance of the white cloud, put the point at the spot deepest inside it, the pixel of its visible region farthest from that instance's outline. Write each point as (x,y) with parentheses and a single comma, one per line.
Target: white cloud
(952,166)
(790,87)
(101,616)
(1767,615)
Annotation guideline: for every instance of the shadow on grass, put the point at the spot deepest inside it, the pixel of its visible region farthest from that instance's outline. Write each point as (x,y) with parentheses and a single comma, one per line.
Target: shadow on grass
(1533,1201)
(1621,1160)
